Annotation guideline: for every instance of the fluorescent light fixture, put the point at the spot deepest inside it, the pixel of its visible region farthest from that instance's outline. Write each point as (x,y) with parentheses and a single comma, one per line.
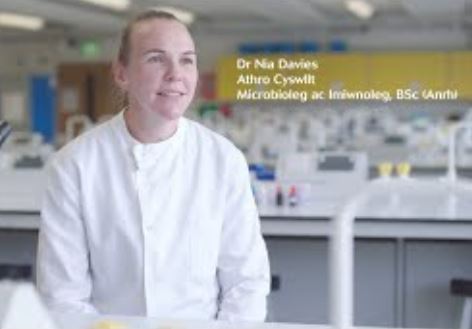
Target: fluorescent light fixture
(185,16)
(21,21)
(111,4)
(360,8)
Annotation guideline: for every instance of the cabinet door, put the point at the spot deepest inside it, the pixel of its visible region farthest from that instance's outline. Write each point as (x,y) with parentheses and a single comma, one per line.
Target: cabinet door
(18,255)
(430,265)
(301,267)
(417,71)
(461,73)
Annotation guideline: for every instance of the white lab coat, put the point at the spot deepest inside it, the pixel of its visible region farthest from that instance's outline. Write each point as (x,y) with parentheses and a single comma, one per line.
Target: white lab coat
(165,230)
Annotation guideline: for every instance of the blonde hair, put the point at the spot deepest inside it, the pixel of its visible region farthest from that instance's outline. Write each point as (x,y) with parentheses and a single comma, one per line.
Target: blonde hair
(125,41)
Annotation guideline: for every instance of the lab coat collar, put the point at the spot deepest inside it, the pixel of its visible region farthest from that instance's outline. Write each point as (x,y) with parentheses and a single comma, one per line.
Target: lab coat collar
(145,154)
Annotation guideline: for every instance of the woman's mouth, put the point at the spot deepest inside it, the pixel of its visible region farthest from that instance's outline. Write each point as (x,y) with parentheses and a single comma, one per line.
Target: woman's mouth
(170,93)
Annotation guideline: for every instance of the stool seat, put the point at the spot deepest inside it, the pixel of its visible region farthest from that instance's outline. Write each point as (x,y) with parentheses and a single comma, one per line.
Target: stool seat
(463,288)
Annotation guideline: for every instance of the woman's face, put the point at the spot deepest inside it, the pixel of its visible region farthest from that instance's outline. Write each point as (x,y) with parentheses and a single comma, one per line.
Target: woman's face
(161,75)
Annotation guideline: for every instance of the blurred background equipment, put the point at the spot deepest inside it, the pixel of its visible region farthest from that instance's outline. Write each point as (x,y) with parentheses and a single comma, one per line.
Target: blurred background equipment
(5,130)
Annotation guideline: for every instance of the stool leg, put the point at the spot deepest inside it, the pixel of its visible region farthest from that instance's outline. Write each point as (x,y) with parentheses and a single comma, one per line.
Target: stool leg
(466,313)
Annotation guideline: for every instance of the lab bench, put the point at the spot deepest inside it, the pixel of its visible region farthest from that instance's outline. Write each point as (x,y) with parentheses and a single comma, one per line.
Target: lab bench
(407,249)
(402,270)
(402,266)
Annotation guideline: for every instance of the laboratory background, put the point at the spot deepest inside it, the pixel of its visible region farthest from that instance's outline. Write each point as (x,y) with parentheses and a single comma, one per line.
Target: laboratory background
(385,174)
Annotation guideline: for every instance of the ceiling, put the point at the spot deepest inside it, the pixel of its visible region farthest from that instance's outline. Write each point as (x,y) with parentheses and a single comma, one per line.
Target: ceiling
(74,17)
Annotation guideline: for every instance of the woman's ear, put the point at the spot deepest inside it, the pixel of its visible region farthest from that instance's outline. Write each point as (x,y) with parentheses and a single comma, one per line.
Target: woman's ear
(120,75)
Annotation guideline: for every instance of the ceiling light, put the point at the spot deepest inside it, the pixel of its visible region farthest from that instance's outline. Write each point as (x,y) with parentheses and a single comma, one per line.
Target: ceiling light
(111,4)
(21,21)
(184,16)
(360,8)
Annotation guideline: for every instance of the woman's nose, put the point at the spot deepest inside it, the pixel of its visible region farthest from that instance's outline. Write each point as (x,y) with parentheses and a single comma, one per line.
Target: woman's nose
(174,71)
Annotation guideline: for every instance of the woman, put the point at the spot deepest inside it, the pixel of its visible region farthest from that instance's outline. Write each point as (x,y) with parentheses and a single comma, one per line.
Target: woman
(150,213)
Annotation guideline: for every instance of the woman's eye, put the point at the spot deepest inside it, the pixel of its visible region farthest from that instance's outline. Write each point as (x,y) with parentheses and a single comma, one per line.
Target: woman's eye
(187,60)
(155,59)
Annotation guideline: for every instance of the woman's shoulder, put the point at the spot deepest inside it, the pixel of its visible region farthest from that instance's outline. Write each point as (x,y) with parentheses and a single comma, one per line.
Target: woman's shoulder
(214,148)
(87,144)
(207,138)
